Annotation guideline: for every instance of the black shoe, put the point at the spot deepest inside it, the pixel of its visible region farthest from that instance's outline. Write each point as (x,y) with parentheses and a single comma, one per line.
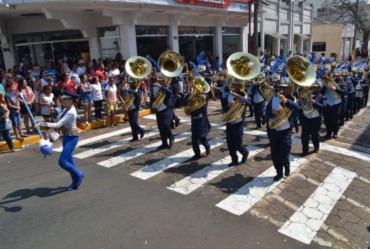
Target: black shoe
(263,121)
(304,154)
(233,163)
(163,146)
(327,136)
(208,150)
(142,134)
(335,135)
(245,157)
(172,141)
(287,171)
(177,122)
(316,150)
(134,139)
(196,157)
(277,177)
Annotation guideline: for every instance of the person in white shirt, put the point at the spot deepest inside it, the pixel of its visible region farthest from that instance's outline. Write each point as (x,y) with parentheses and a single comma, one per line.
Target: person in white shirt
(81,69)
(112,97)
(97,96)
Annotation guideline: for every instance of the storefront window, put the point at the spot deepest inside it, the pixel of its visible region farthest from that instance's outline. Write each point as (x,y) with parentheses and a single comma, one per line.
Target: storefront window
(193,40)
(230,41)
(45,47)
(109,41)
(151,40)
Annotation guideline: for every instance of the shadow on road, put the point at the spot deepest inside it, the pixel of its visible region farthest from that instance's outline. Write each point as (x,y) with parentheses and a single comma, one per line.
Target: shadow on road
(22,194)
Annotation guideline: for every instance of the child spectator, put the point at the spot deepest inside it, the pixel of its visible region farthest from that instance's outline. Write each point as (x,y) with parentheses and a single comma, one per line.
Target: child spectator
(86,97)
(46,103)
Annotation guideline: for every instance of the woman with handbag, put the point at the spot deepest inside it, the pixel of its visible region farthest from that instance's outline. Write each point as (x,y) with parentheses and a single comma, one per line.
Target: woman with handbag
(66,121)
(5,124)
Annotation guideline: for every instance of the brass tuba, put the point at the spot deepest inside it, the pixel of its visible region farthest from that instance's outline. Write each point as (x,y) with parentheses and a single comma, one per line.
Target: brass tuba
(243,66)
(138,68)
(329,83)
(283,115)
(197,99)
(266,90)
(171,65)
(303,75)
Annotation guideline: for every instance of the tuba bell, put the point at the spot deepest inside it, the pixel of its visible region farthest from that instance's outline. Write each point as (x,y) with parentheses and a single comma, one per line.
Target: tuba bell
(171,65)
(303,75)
(138,68)
(197,99)
(243,66)
(329,83)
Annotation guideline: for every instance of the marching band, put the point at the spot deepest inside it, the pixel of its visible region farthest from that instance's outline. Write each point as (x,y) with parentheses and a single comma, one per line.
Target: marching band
(282,94)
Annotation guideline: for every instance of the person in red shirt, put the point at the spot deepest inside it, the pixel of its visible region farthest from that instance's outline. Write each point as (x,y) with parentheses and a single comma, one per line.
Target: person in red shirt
(66,84)
(100,72)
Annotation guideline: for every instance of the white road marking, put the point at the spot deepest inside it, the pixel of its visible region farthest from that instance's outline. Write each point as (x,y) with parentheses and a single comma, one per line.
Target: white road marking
(307,220)
(97,138)
(251,193)
(323,146)
(138,152)
(172,161)
(111,146)
(199,178)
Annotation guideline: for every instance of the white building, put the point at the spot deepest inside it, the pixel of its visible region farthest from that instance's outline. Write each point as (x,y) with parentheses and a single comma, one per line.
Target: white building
(286,26)
(41,31)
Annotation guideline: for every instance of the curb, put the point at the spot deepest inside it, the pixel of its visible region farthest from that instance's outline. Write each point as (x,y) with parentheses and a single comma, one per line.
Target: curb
(81,128)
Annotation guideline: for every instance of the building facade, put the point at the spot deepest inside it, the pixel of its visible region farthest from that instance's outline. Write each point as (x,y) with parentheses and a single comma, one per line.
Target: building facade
(42,31)
(286,26)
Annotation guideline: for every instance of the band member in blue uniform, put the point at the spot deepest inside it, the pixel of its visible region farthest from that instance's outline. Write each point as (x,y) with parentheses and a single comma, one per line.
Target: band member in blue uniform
(281,136)
(175,95)
(66,121)
(224,94)
(351,95)
(133,113)
(366,86)
(199,125)
(334,96)
(234,131)
(258,104)
(311,122)
(164,112)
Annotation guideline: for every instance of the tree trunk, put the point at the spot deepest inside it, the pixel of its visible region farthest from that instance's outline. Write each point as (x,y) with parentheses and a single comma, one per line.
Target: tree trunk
(365,38)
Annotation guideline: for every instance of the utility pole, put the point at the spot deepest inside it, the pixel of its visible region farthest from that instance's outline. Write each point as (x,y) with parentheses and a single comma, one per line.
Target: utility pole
(255,26)
(355,31)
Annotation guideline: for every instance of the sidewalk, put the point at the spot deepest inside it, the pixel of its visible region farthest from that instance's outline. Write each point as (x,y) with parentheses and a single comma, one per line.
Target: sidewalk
(355,134)
(82,127)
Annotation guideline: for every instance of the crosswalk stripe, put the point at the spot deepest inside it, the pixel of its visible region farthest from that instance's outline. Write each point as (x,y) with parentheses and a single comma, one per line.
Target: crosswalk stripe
(97,138)
(111,146)
(251,193)
(328,147)
(187,122)
(307,220)
(199,178)
(171,161)
(138,152)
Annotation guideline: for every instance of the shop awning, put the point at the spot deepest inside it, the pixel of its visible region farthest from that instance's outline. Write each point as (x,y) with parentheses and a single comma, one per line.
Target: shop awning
(277,35)
(304,37)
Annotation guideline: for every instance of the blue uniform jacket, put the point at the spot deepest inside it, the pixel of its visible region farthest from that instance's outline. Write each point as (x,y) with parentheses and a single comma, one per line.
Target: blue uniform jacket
(136,101)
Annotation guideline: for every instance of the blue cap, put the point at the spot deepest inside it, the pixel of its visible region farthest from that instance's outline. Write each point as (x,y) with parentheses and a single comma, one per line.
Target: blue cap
(68,95)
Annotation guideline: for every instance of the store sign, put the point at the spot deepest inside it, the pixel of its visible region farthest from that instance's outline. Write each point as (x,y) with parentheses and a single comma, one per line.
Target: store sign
(213,3)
